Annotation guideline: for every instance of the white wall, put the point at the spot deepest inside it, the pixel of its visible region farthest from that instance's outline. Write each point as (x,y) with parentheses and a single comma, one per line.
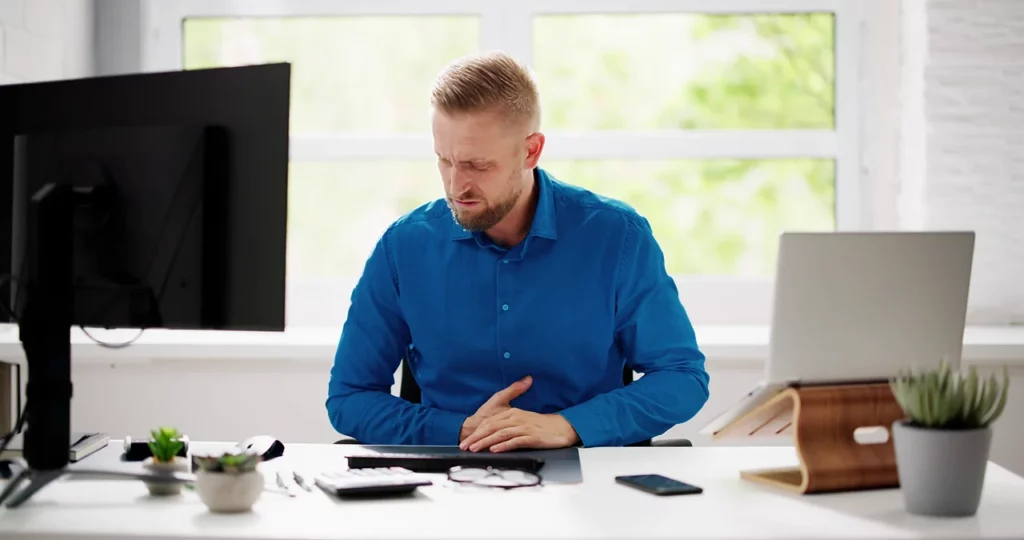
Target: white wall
(964,120)
(45,40)
(881,103)
(229,401)
(118,36)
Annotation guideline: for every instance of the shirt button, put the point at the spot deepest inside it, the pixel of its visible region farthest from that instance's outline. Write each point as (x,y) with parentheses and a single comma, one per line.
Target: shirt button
(504,307)
(504,261)
(507,355)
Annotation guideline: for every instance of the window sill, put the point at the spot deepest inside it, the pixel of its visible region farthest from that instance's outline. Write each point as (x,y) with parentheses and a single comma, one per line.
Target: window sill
(724,345)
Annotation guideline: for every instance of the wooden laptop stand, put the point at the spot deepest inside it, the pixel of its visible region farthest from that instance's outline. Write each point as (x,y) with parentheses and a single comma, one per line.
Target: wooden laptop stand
(822,420)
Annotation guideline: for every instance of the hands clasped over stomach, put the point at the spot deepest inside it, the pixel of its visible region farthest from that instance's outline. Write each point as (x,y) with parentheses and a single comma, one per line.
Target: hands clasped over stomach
(499,427)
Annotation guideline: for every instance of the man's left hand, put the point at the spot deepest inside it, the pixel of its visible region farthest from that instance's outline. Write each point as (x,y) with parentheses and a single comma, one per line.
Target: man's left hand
(516,428)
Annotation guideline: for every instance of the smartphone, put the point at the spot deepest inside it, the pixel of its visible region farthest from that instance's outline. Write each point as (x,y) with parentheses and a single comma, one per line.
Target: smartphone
(658,484)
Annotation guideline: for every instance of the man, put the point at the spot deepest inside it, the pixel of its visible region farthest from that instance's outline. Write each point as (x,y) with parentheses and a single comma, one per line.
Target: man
(517,300)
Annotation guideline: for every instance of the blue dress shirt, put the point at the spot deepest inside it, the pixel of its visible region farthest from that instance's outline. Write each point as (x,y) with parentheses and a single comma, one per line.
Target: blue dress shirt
(585,293)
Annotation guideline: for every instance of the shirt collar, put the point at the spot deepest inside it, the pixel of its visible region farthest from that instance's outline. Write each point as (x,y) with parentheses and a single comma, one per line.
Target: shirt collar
(543,219)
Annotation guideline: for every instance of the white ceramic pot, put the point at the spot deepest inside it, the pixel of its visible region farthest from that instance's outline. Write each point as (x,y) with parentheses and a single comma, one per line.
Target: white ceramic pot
(168,468)
(228,492)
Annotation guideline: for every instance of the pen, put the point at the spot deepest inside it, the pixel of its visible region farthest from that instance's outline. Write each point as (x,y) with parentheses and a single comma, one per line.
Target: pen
(281,481)
(301,480)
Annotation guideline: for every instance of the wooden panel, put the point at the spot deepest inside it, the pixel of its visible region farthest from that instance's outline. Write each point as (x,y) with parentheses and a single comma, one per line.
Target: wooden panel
(823,420)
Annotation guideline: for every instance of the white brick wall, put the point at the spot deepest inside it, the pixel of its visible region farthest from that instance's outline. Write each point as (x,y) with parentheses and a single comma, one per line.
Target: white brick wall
(45,40)
(968,58)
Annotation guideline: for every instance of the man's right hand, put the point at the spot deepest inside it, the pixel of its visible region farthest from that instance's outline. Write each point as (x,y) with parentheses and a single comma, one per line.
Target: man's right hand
(499,402)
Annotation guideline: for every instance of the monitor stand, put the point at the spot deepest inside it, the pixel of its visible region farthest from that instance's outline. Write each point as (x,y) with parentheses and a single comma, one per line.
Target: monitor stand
(45,332)
(38,479)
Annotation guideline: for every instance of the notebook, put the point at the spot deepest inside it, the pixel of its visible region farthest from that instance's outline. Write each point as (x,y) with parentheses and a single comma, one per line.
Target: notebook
(82,445)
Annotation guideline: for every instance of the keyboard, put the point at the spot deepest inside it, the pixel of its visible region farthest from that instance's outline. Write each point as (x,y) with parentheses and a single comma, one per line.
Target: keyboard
(370,481)
(440,463)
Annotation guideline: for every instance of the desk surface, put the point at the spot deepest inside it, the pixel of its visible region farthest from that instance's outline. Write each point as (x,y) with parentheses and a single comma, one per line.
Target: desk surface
(597,508)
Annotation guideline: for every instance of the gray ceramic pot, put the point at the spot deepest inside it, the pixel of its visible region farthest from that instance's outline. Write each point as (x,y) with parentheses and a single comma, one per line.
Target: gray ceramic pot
(941,471)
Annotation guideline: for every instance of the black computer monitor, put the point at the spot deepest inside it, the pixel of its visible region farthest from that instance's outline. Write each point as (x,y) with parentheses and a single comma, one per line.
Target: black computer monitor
(152,200)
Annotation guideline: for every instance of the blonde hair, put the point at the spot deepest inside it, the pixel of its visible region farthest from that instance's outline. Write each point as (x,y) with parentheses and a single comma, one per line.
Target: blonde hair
(488,81)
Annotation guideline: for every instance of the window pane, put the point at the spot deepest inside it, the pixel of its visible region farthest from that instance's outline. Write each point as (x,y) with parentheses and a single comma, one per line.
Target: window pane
(716,217)
(337,211)
(670,71)
(348,73)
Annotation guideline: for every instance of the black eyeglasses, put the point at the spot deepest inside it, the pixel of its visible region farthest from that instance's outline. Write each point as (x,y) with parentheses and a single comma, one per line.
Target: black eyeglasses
(491,477)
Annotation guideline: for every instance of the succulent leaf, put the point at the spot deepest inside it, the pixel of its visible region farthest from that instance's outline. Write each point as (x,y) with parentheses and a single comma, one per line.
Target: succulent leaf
(164,444)
(946,399)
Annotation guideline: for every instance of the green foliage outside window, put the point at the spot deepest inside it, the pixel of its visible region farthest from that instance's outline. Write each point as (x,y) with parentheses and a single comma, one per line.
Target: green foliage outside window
(596,72)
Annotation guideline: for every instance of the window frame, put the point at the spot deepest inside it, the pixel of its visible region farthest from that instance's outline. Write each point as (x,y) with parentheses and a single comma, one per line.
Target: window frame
(711,300)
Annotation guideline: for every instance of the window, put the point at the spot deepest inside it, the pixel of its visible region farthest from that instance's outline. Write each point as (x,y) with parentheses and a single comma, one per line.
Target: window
(724,122)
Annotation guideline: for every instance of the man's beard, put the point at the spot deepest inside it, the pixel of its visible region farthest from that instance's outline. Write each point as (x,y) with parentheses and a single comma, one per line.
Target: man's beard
(487,218)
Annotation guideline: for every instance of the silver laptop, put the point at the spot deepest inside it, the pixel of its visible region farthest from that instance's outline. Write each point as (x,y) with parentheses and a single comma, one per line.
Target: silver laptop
(862,307)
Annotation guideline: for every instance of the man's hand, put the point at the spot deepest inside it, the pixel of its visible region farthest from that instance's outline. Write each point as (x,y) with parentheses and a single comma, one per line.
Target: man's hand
(498,403)
(516,428)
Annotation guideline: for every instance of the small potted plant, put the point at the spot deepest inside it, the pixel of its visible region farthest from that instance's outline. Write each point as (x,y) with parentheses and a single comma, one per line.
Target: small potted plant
(229,482)
(942,445)
(165,445)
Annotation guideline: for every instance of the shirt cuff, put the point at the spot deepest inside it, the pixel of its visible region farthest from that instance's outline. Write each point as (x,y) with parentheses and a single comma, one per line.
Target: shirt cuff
(444,428)
(587,426)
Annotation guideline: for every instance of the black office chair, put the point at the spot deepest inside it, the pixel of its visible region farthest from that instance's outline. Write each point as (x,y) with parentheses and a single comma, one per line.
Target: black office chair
(410,391)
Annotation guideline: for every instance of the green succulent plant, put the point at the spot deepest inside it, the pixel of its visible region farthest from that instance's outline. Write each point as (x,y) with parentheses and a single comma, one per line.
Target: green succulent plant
(944,399)
(229,463)
(165,444)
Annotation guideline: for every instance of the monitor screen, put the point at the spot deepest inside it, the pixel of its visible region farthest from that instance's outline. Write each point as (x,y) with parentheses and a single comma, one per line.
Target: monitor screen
(179,184)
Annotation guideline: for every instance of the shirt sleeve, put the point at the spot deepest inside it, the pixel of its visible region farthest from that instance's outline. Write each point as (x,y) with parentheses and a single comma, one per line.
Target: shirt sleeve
(654,332)
(373,340)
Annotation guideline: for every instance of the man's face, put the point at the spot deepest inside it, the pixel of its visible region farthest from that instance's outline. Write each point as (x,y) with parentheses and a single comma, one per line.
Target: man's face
(481,159)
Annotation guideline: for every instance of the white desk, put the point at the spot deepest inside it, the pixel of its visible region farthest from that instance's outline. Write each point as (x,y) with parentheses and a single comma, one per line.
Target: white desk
(598,508)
